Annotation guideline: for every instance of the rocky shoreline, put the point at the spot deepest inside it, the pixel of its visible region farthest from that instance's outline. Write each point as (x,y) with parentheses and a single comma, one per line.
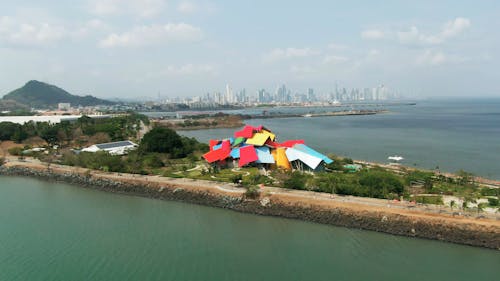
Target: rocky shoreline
(479,235)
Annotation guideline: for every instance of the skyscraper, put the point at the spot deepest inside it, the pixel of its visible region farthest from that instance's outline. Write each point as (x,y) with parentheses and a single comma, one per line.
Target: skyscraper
(228,97)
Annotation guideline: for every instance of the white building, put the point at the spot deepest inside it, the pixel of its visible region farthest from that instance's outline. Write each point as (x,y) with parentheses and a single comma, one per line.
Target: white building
(64,106)
(46,118)
(114,148)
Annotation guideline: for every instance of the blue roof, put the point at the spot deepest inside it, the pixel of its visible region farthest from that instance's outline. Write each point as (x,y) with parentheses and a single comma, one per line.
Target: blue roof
(306,149)
(110,145)
(264,155)
(235,153)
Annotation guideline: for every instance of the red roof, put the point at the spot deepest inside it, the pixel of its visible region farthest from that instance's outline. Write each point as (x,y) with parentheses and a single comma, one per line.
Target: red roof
(247,155)
(226,145)
(246,132)
(212,143)
(213,155)
(219,154)
(290,143)
(271,143)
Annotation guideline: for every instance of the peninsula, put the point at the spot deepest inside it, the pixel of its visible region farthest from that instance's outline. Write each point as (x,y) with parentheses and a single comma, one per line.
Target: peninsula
(124,154)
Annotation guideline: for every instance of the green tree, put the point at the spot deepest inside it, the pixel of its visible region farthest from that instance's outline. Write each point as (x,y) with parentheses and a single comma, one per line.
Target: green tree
(7,130)
(163,140)
(50,135)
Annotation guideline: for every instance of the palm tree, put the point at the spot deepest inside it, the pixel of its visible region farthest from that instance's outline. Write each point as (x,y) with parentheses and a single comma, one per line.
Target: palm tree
(464,205)
(480,207)
(452,204)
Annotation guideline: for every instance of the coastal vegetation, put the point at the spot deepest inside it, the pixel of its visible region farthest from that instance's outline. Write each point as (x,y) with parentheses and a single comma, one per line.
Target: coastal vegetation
(82,132)
(203,121)
(162,151)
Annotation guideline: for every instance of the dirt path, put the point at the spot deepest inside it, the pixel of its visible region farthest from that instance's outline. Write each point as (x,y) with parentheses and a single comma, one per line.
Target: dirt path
(325,200)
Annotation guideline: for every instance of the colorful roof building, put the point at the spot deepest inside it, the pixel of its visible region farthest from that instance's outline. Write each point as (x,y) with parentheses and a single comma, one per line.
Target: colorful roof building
(259,146)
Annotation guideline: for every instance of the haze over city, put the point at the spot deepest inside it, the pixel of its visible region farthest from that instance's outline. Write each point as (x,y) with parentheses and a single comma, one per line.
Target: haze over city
(137,49)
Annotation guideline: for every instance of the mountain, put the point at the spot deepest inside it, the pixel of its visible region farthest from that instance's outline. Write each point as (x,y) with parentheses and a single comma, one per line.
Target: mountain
(42,95)
(10,105)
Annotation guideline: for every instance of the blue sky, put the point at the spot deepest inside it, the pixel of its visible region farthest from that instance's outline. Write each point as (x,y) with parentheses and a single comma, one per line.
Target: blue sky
(137,48)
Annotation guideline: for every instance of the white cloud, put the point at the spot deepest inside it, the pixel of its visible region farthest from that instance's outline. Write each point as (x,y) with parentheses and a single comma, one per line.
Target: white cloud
(152,35)
(455,27)
(437,57)
(335,46)
(332,59)
(14,32)
(430,57)
(141,8)
(89,27)
(186,7)
(190,69)
(413,36)
(302,71)
(288,53)
(372,34)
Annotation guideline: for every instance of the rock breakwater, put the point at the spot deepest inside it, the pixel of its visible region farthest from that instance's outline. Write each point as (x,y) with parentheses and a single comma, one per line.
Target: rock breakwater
(436,228)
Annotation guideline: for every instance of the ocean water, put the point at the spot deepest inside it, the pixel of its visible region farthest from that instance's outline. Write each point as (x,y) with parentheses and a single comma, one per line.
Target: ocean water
(54,231)
(450,135)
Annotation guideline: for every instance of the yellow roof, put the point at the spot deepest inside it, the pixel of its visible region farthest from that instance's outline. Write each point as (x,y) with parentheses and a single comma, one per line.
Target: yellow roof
(259,139)
(281,159)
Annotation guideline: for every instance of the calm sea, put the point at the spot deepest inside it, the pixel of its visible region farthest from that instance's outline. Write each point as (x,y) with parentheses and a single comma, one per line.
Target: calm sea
(59,232)
(445,134)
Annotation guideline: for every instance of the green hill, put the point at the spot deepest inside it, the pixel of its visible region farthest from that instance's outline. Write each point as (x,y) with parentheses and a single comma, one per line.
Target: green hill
(10,105)
(42,95)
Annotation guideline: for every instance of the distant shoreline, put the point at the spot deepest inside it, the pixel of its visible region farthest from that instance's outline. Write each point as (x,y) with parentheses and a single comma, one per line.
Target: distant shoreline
(238,119)
(353,212)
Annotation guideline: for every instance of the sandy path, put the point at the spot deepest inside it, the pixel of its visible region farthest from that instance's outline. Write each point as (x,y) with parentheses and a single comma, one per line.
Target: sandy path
(306,198)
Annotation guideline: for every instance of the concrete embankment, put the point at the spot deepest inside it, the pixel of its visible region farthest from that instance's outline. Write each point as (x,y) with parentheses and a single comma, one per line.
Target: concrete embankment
(287,204)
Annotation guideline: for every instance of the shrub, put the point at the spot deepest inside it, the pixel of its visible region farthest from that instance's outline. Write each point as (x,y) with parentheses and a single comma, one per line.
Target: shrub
(252,192)
(236,178)
(490,191)
(494,202)
(254,179)
(381,183)
(436,200)
(419,176)
(16,151)
(152,161)
(296,181)
(100,160)
(2,161)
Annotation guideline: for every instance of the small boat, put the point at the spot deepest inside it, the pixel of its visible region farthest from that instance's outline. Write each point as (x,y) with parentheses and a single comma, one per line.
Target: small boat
(395,159)
(307,115)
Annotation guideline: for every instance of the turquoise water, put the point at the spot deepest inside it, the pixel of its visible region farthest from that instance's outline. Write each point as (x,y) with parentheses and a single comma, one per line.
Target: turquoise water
(60,232)
(451,135)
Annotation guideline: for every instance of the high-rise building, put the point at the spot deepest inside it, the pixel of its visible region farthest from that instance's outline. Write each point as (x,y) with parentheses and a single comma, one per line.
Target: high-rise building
(311,97)
(228,97)
(262,96)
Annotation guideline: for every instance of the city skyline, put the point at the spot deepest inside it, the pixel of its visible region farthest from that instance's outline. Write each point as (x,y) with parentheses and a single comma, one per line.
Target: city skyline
(285,95)
(136,49)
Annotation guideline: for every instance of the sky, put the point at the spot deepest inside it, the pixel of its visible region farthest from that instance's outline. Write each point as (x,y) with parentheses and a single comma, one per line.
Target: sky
(144,48)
